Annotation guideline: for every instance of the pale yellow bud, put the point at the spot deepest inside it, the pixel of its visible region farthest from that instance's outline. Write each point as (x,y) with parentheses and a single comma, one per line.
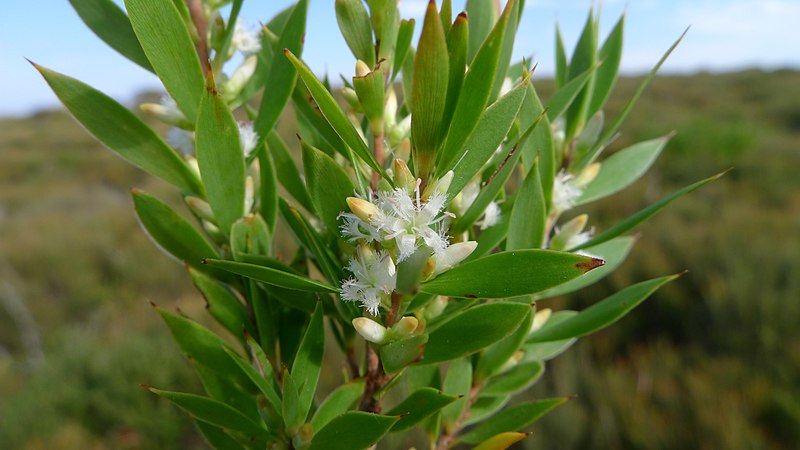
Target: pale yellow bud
(369,329)
(588,174)
(440,186)
(540,318)
(200,207)
(406,325)
(362,69)
(249,195)
(402,175)
(363,209)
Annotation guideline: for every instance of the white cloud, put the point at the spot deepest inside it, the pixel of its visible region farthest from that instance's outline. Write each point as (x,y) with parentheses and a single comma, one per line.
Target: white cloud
(412,8)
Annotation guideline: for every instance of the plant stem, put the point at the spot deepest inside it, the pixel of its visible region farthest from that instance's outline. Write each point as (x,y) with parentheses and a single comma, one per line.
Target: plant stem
(448,439)
(199,20)
(378,150)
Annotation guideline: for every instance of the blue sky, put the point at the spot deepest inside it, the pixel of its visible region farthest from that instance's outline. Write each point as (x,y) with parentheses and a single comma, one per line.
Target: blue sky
(725,35)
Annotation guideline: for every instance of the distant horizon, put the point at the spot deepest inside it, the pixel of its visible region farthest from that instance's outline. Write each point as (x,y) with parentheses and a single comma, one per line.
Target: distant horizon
(725,36)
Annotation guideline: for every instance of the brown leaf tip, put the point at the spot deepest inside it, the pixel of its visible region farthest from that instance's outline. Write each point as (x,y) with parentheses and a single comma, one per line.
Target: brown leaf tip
(204,261)
(590,264)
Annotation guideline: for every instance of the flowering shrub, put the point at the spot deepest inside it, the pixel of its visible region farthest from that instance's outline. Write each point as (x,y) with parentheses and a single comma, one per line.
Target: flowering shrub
(429,215)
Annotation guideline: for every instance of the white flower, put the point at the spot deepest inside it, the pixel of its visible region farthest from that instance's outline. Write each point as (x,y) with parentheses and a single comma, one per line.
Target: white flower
(369,329)
(578,239)
(506,86)
(167,111)
(565,191)
(181,140)
(491,216)
(447,258)
(247,138)
(374,279)
(244,40)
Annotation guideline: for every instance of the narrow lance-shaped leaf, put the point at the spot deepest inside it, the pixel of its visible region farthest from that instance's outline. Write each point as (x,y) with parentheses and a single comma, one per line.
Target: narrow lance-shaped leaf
(483,16)
(281,77)
(485,324)
(510,274)
(223,305)
(121,131)
(354,430)
(584,58)
(268,189)
(508,47)
(337,403)
(494,356)
(286,170)
(213,412)
(457,54)
(540,145)
(398,354)
(601,314)
(356,28)
(512,419)
(567,94)
(622,169)
(110,23)
(387,39)
(528,216)
(457,381)
(610,55)
(634,220)
(428,92)
(220,157)
(418,406)
(328,184)
(166,42)
(270,276)
(334,115)
(561,59)
(308,361)
(263,383)
(404,36)
(501,441)
(515,380)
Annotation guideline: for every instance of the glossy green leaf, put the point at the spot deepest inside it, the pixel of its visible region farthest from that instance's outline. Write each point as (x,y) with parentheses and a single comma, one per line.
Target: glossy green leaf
(370,91)
(323,256)
(398,354)
(561,59)
(219,387)
(121,131)
(634,220)
(223,305)
(540,144)
(492,128)
(491,238)
(286,170)
(110,23)
(308,361)
(170,231)
(265,386)
(227,37)
(268,190)
(165,40)
(446,14)
(478,87)
(484,324)
(388,33)
(485,407)
(204,347)
(213,412)
(354,430)
(354,23)
(515,10)
(404,35)
(544,351)
(613,252)
(483,16)
(566,95)
(526,225)
(583,59)
(270,276)
(418,406)
(610,55)
(515,380)
(457,54)
(621,169)
(328,185)
(457,382)
(216,437)
(220,158)
(250,236)
(290,409)
(282,74)
(512,419)
(334,114)
(428,92)
(496,355)
(501,441)
(602,313)
(611,131)
(338,402)
(510,274)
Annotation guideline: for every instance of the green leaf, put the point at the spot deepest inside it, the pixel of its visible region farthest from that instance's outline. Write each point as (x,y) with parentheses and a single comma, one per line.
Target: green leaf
(290,409)
(602,313)
(634,220)
(398,354)
(121,131)
(356,28)
(457,381)
(483,16)
(492,128)
(566,95)
(613,252)
(512,419)
(478,87)
(501,441)
(353,430)
(418,406)
(484,324)
(328,185)
(264,385)
(286,170)
(334,115)
(337,403)
(610,55)
(428,92)
(457,54)
(171,232)
(544,351)
(268,190)
(216,437)
(110,23)
(515,380)
(583,58)
(491,238)
(561,59)
(496,355)
(540,144)
(307,235)
(165,40)
(223,305)
(526,226)
(282,75)
(404,35)
(515,10)
(611,131)
(213,412)
(370,91)
(388,33)
(220,158)
(203,346)
(622,169)
(308,361)
(485,407)
(270,276)
(510,274)
(250,236)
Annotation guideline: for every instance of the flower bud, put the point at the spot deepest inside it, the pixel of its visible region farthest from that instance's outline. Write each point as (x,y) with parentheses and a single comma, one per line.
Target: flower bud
(369,329)
(234,86)
(213,231)
(512,361)
(249,195)
(406,326)
(565,235)
(200,207)
(588,174)
(363,209)
(448,258)
(191,161)
(352,99)
(540,318)
(362,69)
(403,177)
(439,187)
(168,112)
(390,108)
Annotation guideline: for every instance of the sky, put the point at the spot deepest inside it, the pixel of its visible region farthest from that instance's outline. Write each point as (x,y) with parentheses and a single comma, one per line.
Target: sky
(724,35)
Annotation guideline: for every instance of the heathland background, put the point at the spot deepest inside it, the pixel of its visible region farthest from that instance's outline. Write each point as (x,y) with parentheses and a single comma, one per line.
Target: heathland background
(711,361)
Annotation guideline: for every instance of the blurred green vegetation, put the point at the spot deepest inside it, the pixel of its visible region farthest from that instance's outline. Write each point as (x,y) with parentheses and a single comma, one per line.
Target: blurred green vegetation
(711,361)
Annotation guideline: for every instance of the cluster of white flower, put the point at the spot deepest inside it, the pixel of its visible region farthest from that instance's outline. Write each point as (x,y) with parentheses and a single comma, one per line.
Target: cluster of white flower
(399,221)
(244,40)
(565,191)
(248,138)
(490,217)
